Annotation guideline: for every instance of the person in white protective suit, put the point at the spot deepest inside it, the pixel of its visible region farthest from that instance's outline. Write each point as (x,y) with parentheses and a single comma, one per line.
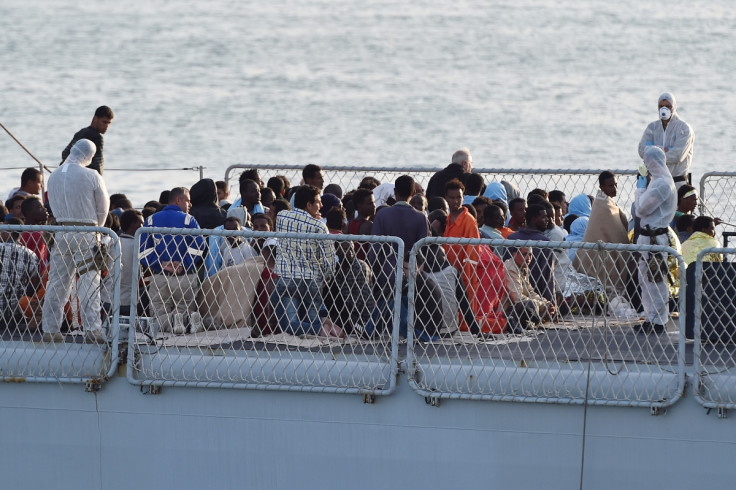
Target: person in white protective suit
(673,135)
(78,197)
(655,207)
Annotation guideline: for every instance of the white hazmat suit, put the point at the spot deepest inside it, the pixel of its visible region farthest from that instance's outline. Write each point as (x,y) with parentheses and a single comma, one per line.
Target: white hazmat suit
(78,197)
(655,207)
(678,138)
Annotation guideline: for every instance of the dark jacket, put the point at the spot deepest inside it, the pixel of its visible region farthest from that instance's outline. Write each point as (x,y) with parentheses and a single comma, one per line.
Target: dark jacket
(88,133)
(204,205)
(436,185)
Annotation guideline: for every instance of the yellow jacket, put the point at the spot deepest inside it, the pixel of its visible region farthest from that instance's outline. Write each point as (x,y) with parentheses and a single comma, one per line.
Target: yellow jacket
(697,242)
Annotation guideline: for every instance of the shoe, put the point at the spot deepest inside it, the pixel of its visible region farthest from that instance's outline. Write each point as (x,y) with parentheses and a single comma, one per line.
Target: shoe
(195,322)
(657,328)
(94,337)
(53,338)
(649,327)
(178,328)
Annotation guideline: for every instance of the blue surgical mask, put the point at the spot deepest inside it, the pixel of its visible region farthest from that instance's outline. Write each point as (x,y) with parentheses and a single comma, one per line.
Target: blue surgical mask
(665,113)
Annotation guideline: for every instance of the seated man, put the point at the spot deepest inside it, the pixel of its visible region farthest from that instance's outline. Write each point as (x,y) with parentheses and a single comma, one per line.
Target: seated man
(236,249)
(454,299)
(687,201)
(261,222)
(461,224)
(130,221)
(19,267)
(302,265)
(684,226)
(35,214)
(704,232)
(172,261)
(607,224)
(31,183)
(428,309)
(348,296)
(528,306)
(517,211)
(493,221)
(264,321)
(335,220)
(217,244)
(223,194)
(419,202)
(474,187)
(365,210)
(14,206)
(542,267)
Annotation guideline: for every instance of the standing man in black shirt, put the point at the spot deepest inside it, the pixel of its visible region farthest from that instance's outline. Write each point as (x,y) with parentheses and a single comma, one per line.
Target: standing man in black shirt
(100,122)
(459,168)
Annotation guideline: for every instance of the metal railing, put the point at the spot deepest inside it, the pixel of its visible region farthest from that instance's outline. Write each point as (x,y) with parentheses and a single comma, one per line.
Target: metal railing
(594,349)
(239,328)
(717,197)
(713,327)
(29,352)
(570,181)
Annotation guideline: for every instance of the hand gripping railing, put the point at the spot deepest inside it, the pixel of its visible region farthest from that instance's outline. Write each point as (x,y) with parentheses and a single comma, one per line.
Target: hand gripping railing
(229,354)
(24,354)
(597,353)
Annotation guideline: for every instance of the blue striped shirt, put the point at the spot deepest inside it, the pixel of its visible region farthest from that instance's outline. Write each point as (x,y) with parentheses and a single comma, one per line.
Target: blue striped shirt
(303,258)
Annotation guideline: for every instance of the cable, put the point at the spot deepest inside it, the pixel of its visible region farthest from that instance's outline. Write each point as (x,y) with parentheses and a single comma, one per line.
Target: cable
(26,149)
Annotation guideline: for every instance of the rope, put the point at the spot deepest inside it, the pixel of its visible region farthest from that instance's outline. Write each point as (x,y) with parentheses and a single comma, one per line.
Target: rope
(26,149)
(196,169)
(708,210)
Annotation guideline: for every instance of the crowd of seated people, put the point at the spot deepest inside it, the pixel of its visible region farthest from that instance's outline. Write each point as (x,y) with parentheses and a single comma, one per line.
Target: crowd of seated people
(337,288)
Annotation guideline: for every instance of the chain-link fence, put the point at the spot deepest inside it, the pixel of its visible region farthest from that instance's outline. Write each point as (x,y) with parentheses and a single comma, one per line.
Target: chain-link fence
(266,311)
(572,182)
(711,323)
(538,321)
(59,302)
(717,199)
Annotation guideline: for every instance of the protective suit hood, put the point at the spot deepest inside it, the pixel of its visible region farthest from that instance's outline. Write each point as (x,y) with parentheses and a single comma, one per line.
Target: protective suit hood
(671,98)
(81,153)
(656,205)
(656,162)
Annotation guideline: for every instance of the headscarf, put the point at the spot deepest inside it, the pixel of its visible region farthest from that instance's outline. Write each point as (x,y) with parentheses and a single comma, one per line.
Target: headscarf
(579,205)
(81,153)
(577,231)
(496,191)
(241,213)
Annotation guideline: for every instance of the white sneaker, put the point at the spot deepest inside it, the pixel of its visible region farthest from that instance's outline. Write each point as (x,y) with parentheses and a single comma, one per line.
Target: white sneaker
(195,322)
(178,328)
(55,337)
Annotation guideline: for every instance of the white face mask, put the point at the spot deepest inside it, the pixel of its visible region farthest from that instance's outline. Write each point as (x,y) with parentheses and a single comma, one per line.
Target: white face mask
(665,113)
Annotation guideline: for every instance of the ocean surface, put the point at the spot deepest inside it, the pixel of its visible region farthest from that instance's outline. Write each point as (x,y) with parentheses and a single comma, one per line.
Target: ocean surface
(522,83)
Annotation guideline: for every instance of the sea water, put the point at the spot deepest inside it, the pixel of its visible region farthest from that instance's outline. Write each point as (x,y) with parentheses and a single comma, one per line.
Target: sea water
(522,83)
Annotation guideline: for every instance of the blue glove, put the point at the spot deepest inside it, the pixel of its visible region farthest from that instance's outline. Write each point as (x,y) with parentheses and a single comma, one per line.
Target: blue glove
(649,143)
(641,182)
